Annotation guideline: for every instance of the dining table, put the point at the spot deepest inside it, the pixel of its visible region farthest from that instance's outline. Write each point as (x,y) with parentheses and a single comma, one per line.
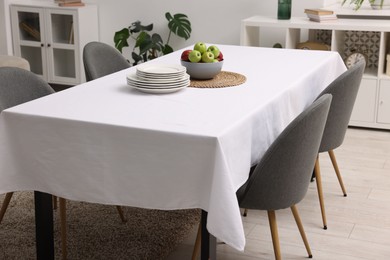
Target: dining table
(106,142)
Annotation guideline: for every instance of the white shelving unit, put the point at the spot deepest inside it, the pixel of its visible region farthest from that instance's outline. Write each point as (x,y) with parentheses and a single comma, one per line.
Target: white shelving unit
(371,36)
(52,38)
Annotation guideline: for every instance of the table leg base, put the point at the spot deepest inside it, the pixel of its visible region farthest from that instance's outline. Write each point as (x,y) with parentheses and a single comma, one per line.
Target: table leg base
(44,225)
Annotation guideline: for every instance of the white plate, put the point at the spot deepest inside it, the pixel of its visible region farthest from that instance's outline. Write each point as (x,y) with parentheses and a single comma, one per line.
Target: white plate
(163,80)
(136,78)
(133,80)
(182,84)
(158,90)
(161,69)
(159,76)
(185,84)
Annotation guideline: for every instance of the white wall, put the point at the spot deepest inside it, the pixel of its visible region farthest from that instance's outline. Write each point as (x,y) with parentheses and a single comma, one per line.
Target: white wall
(331,2)
(212,21)
(5,47)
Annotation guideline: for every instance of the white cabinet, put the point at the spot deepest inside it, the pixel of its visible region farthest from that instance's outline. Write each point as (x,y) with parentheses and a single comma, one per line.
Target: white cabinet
(371,37)
(384,102)
(52,38)
(365,104)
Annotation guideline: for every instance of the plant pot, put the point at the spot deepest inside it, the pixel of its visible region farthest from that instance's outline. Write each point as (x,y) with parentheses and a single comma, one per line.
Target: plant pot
(377,4)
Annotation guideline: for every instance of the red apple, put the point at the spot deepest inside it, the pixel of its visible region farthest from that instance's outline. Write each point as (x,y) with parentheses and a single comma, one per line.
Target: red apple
(184,55)
(220,57)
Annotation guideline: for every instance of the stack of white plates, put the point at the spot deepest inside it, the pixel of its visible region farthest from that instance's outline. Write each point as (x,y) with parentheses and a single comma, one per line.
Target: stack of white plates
(159,78)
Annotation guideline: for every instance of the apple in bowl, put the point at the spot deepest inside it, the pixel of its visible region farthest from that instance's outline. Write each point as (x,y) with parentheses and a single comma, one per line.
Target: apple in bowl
(202,62)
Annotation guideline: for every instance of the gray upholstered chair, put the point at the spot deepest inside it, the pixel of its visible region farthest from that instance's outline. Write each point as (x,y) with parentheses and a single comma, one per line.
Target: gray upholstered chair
(18,86)
(281,179)
(344,90)
(101,59)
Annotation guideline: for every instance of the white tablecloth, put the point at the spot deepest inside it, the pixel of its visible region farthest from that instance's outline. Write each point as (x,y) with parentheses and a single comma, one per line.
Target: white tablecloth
(103,142)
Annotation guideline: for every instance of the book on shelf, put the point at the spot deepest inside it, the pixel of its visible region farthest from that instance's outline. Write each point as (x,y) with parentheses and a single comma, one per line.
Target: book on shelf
(318,11)
(322,21)
(66,1)
(321,18)
(72,4)
(30,30)
(71,33)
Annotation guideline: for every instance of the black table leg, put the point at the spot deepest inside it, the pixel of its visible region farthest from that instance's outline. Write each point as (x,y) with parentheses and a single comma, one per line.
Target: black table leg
(205,241)
(44,225)
(208,242)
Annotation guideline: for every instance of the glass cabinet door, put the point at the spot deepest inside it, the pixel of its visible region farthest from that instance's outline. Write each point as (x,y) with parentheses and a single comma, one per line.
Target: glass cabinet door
(29,25)
(52,38)
(47,38)
(61,49)
(29,43)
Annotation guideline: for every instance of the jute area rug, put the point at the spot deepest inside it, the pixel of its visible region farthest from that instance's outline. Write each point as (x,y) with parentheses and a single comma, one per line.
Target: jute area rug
(96,232)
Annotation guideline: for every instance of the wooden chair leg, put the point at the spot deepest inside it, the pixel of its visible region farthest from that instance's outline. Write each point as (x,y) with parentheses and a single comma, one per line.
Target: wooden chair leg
(54,202)
(301,230)
(5,204)
(274,234)
(317,174)
(336,169)
(195,252)
(62,212)
(121,215)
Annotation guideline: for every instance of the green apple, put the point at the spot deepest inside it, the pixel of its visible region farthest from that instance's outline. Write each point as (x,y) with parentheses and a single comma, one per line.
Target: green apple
(214,49)
(208,57)
(195,56)
(201,47)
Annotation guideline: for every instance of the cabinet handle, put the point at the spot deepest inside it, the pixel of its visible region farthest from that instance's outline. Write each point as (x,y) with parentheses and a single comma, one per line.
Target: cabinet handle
(42,44)
(48,45)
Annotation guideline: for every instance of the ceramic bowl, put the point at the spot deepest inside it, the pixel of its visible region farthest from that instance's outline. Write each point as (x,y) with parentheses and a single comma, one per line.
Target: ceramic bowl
(202,70)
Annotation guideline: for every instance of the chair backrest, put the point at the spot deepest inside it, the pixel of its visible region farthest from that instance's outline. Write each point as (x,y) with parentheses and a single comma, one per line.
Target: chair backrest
(344,90)
(18,86)
(282,176)
(14,61)
(101,59)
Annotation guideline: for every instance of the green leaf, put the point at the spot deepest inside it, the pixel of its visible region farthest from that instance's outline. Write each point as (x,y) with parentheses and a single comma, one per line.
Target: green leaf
(179,25)
(156,38)
(168,16)
(167,49)
(120,39)
(145,47)
(137,27)
(150,45)
(137,58)
(142,39)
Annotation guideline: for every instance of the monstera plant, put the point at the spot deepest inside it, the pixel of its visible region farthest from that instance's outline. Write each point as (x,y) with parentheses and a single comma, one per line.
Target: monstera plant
(150,45)
(358,3)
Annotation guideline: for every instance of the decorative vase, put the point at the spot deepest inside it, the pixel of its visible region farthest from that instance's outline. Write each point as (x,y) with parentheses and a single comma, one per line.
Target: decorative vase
(284,9)
(377,5)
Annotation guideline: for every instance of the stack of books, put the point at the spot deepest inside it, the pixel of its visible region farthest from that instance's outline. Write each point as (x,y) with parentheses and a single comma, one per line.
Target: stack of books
(29,28)
(320,15)
(69,2)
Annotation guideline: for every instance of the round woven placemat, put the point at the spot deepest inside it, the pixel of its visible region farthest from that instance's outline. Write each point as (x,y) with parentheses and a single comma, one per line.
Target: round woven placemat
(222,80)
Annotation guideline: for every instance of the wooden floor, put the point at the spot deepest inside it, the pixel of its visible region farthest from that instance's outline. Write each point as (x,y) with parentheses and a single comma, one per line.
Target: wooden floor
(358,225)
